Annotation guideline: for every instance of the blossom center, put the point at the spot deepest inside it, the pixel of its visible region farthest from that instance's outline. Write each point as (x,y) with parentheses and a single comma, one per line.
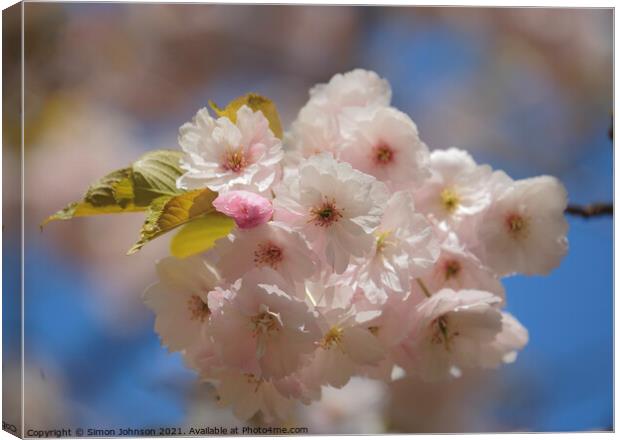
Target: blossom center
(440,332)
(383,154)
(332,337)
(234,160)
(382,241)
(449,199)
(265,323)
(516,225)
(452,268)
(268,254)
(325,214)
(198,309)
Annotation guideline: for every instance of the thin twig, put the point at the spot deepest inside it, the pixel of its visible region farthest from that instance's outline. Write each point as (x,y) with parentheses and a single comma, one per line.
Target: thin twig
(592,210)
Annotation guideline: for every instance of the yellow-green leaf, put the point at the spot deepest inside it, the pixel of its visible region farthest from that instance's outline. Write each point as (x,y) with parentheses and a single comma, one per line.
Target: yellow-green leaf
(83,209)
(256,102)
(169,212)
(129,189)
(200,234)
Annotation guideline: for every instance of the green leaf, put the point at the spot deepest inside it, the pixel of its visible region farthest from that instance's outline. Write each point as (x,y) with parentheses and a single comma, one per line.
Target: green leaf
(256,102)
(130,189)
(155,174)
(200,234)
(169,212)
(111,189)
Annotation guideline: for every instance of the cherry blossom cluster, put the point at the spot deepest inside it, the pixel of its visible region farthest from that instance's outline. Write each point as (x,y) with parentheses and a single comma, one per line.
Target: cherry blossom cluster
(357,252)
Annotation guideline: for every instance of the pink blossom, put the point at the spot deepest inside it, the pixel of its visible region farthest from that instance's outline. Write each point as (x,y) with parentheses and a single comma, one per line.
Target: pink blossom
(246,208)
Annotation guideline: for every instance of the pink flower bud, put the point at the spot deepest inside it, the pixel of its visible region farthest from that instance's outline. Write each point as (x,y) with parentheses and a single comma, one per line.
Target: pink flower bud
(246,208)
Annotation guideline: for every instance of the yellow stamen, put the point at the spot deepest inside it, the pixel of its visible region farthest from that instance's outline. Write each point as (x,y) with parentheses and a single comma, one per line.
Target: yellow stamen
(383,154)
(382,240)
(332,337)
(449,199)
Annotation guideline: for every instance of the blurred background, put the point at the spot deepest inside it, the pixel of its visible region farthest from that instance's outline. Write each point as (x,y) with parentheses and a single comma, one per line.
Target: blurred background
(526,90)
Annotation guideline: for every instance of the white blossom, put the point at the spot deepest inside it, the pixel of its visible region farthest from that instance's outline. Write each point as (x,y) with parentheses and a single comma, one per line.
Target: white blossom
(220,155)
(334,206)
(315,132)
(262,328)
(405,247)
(456,330)
(384,143)
(180,300)
(458,190)
(357,88)
(271,245)
(347,344)
(458,269)
(524,229)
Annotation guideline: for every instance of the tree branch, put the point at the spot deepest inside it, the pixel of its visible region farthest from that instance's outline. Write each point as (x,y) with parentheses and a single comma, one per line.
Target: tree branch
(592,210)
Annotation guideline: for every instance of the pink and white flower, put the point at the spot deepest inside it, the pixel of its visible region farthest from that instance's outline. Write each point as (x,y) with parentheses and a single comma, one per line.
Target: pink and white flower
(315,132)
(222,155)
(335,207)
(272,245)
(405,247)
(384,143)
(524,229)
(456,330)
(459,269)
(357,88)
(180,300)
(347,344)
(262,328)
(458,190)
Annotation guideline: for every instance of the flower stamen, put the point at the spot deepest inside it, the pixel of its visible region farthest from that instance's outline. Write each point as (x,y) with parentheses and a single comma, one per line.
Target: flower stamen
(268,254)
(441,333)
(266,322)
(449,199)
(452,268)
(198,309)
(332,337)
(383,241)
(325,214)
(383,154)
(234,160)
(516,225)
